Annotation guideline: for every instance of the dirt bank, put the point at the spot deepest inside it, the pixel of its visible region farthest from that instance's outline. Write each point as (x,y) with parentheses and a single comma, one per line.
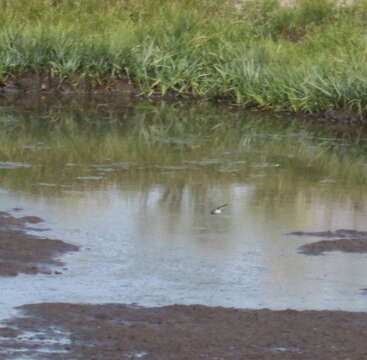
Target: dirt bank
(48,83)
(115,331)
(24,253)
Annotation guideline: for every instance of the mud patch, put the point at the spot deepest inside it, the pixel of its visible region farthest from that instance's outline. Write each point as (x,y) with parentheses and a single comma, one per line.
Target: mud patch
(24,253)
(358,245)
(116,331)
(351,241)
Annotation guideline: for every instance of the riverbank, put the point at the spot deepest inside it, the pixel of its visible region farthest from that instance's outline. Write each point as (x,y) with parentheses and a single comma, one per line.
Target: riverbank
(307,57)
(33,89)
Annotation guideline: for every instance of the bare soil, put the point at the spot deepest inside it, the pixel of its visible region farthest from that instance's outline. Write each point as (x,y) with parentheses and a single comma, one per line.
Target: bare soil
(116,332)
(24,253)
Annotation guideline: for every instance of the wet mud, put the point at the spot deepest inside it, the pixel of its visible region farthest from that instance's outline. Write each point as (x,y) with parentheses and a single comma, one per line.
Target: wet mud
(358,245)
(117,331)
(25,253)
(350,241)
(48,83)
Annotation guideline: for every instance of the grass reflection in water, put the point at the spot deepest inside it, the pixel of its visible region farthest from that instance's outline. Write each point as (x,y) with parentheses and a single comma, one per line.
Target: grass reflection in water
(179,146)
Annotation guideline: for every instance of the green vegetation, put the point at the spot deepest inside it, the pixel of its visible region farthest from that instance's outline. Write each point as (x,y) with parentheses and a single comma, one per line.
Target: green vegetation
(309,57)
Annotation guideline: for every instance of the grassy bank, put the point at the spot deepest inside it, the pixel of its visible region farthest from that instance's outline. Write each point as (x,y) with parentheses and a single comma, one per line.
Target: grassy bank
(308,57)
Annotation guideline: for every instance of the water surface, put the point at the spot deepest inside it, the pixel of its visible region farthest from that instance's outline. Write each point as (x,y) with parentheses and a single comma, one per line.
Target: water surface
(134,185)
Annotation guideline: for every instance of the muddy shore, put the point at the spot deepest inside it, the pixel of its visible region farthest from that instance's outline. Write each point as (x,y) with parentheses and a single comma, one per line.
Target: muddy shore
(24,253)
(116,331)
(64,331)
(48,83)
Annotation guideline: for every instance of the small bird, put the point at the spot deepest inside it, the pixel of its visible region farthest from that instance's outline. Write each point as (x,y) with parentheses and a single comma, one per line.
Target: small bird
(218,210)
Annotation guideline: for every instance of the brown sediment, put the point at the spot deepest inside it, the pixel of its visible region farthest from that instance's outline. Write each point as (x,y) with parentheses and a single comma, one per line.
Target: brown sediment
(116,331)
(24,253)
(47,82)
(358,245)
(9,332)
(347,240)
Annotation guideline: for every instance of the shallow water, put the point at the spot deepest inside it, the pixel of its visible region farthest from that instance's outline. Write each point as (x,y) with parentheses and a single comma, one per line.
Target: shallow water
(134,187)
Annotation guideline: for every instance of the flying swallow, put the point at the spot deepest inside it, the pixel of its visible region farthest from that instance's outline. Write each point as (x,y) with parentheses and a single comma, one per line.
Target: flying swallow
(218,210)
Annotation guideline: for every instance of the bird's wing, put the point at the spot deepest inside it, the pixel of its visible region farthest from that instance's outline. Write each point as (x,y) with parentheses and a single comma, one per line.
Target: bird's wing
(222,206)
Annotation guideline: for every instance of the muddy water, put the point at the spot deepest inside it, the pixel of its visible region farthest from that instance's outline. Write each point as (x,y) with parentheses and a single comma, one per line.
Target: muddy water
(134,186)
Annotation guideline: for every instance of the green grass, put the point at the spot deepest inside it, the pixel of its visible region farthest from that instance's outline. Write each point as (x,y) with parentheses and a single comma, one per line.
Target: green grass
(308,57)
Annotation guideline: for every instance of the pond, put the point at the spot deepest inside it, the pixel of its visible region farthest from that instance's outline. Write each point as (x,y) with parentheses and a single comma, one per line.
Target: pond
(134,185)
